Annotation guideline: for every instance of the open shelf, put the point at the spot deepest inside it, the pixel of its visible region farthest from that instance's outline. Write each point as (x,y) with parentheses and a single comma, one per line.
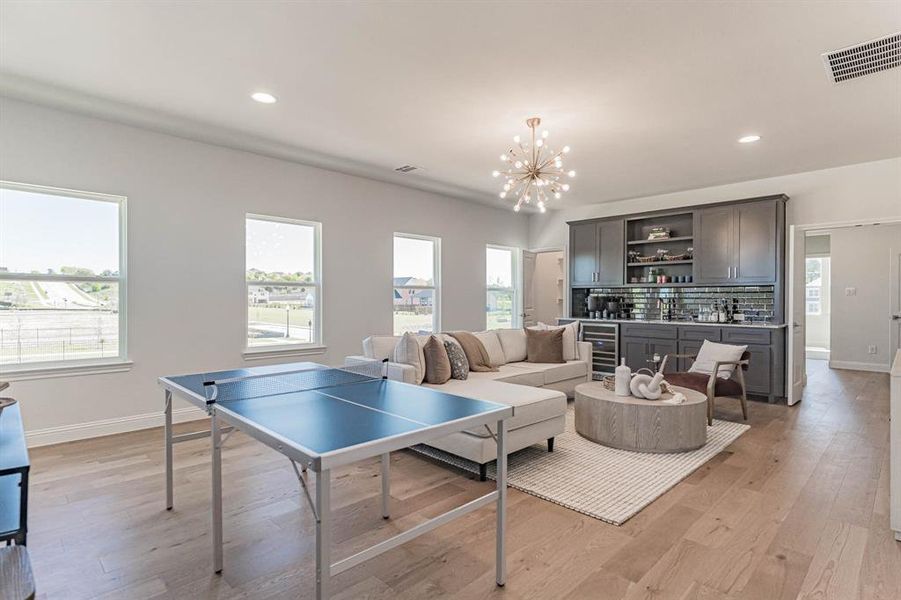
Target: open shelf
(681,238)
(660,263)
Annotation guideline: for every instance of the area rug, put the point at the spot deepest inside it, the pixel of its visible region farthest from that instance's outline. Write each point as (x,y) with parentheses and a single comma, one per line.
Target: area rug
(604,483)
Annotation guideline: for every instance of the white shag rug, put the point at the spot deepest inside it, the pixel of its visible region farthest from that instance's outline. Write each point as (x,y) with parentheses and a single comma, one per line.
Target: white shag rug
(605,483)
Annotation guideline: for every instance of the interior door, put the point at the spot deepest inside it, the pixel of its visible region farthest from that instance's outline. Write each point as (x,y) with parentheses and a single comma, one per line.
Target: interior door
(895,283)
(796,372)
(528,289)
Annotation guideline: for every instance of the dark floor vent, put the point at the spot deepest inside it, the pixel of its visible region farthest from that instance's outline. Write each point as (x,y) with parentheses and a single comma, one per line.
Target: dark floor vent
(864,59)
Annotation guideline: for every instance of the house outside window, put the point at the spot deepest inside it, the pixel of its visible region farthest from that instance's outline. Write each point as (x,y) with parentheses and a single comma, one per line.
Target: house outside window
(62,278)
(814,293)
(416,297)
(502,302)
(283,283)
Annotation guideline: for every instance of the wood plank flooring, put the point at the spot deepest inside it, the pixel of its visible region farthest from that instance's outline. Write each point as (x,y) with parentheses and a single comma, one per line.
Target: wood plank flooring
(797,507)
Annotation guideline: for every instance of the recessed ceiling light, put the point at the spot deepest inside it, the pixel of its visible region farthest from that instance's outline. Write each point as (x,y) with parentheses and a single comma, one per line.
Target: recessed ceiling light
(748,139)
(264,97)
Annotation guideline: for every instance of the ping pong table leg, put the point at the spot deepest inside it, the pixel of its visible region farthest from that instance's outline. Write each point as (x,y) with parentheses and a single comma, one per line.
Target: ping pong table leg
(168,433)
(216,463)
(501,501)
(323,534)
(386,485)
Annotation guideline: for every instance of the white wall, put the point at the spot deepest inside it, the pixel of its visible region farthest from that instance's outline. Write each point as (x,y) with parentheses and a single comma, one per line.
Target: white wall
(861,260)
(852,192)
(186,206)
(545,286)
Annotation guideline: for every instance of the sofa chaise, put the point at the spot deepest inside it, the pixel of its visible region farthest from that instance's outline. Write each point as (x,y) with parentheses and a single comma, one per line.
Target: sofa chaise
(536,391)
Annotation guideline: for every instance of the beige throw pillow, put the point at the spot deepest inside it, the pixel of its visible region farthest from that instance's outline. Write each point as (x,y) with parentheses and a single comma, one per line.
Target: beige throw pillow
(409,352)
(513,341)
(493,346)
(437,363)
(544,346)
(711,352)
(476,355)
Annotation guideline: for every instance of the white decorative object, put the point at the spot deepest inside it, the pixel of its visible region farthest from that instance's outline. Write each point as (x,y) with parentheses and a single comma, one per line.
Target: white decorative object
(677,398)
(651,390)
(623,376)
(637,380)
(533,172)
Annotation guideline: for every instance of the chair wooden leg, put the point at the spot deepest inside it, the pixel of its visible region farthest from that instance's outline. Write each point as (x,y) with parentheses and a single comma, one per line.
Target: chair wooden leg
(709,410)
(744,394)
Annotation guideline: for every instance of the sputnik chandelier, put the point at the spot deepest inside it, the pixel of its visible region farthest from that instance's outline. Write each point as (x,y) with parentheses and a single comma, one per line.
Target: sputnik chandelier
(533,172)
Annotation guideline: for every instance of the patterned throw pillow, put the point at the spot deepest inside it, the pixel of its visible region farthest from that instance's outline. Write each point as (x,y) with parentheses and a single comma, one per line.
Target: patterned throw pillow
(458,362)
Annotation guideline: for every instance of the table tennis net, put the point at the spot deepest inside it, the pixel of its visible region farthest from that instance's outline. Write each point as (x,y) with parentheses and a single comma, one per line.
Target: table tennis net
(275,384)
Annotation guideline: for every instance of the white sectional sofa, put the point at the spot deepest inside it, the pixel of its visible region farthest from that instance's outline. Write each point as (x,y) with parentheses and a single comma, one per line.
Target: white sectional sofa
(536,391)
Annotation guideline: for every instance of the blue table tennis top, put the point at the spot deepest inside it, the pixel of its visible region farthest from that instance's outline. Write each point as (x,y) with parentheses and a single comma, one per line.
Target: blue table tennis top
(342,416)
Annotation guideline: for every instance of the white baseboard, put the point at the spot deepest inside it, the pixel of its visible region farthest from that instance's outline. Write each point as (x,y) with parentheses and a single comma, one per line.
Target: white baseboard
(858,366)
(818,354)
(92,429)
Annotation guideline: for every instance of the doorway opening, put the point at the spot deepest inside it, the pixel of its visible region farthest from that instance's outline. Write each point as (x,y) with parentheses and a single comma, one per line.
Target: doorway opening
(544,287)
(817,301)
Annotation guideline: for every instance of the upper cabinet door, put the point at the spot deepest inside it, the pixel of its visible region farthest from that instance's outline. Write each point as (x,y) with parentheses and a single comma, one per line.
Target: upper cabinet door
(583,254)
(611,252)
(713,245)
(755,242)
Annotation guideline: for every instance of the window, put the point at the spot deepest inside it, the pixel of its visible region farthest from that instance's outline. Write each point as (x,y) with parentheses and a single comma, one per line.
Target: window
(283,283)
(502,284)
(417,287)
(817,273)
(62,277)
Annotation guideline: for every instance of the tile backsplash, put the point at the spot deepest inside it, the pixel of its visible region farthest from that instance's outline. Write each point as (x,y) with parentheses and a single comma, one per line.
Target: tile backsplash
(641,303)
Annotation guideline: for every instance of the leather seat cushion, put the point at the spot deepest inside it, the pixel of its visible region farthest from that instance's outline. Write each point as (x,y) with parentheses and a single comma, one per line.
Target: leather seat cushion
(698,383)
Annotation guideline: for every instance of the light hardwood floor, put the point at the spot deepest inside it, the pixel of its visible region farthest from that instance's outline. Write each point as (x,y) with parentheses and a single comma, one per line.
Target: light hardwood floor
(796,507)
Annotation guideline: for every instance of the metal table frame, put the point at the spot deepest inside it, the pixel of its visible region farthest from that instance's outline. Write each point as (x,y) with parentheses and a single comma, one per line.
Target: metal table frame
(322,465)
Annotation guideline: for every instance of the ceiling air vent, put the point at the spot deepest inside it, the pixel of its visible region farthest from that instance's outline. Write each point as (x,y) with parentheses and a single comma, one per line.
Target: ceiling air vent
(864,59)
(407,169)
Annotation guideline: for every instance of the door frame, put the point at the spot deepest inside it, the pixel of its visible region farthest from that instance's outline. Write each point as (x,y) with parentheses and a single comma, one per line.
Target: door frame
(792,280)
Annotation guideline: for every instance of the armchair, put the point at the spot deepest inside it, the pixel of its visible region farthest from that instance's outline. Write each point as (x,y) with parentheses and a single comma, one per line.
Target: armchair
(713,386)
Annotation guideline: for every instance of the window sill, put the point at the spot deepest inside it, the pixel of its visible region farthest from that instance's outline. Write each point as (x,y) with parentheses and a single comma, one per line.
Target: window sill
(264,353)
(49,372)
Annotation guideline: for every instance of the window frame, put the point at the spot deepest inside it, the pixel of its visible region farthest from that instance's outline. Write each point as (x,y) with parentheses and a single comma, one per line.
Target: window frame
(316,345)
(120,362)
(436,278)
(515,280)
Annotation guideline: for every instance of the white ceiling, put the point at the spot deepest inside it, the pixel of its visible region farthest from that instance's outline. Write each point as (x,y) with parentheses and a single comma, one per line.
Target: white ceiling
(651,97)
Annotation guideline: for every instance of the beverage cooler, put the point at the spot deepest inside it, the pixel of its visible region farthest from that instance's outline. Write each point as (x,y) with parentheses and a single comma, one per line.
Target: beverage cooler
(604,339)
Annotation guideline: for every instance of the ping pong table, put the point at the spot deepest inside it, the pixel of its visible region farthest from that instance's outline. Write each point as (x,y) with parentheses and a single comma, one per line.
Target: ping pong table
(322,418)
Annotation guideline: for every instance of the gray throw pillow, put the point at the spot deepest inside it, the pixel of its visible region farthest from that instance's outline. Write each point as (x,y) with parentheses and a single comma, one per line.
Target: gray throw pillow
(459,364)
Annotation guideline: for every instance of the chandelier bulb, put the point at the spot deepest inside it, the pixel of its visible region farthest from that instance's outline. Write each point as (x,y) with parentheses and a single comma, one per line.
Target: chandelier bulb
(565,187)
(572,173)
(539,143)
(545,133)
(516,139)
(495,173)
(518,164)
(503,194)
(557,195)
(565,149)
(516,208)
